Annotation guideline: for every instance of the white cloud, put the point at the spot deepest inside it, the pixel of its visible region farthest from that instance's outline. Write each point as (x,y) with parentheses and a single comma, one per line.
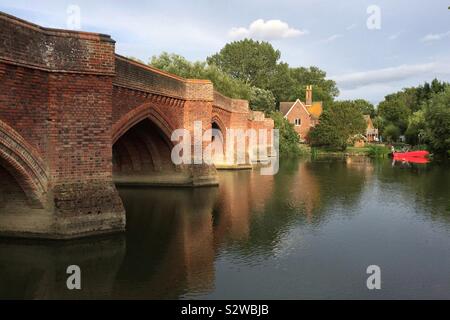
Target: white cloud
(435,36)
(266,30)
(393,74)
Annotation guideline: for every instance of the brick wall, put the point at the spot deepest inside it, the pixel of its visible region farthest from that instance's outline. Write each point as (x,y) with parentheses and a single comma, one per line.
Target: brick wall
(298,112)
(66,97)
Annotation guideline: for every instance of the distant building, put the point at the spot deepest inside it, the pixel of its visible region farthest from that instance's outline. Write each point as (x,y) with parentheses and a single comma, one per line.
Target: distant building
(303,115)
(371,131)
(371,135)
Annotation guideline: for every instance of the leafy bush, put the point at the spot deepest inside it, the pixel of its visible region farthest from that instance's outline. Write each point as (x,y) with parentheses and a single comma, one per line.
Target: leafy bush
(289,139)
(391,133)
(377,151)
(223,82)
(341,121)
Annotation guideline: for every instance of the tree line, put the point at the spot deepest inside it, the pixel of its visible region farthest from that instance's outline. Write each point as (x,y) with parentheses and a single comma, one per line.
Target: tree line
(253,70)
(420,114)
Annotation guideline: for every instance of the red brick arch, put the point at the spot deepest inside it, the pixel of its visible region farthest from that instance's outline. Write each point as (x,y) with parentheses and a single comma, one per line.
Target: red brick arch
(216,118)
(133,117)
(24,164)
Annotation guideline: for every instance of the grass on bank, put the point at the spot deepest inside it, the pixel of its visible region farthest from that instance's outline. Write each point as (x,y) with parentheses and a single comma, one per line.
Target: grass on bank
(371,150)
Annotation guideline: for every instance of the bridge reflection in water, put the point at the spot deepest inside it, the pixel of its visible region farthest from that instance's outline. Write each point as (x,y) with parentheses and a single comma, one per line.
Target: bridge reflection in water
(304,231)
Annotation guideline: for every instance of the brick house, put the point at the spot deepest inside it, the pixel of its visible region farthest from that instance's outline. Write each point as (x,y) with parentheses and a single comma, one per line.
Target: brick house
(303,115)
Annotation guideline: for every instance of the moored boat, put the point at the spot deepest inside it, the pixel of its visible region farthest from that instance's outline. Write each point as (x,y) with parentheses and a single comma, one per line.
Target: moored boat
(411,154)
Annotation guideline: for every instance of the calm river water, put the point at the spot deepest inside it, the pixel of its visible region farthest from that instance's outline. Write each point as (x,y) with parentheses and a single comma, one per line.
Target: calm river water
(308,232)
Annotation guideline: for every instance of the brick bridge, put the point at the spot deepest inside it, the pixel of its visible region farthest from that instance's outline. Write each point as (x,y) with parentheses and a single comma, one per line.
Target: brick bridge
(76,118)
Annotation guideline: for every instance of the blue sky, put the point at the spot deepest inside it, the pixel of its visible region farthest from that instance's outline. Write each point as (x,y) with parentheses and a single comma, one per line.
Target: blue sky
(411,45)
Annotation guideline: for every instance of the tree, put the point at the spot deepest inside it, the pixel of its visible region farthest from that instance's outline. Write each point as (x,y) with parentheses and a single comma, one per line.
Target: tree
(225,84)
(417,112)
(257,64)
(366,107)
(437,122)
(416,128)
(341,121)
(289,139)
(323,89)
(262,100)
(394,110)
(251,61)
(391,132)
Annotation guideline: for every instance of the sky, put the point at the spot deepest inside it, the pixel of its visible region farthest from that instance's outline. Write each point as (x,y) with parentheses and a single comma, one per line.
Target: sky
(370,48)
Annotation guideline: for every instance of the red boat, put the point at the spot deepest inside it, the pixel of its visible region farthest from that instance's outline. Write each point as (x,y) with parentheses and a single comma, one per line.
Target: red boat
(412,156)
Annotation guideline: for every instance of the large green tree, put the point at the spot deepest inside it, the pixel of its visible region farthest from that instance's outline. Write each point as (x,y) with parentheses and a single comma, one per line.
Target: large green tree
(224,83)
(366,107)
(437,122)
(404,110)
(394,110)
(251,61)
(323,89)
(340,122)
(258,64)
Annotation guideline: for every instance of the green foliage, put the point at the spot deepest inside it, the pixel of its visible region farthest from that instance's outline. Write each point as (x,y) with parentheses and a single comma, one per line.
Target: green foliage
(399,108)
(257,63)
(251,61)
(391,132)
(420,113)
(262,100)
(437,122)
(289,139)
(223,83)
(415,132)
(341,121)
(323,89)
(395,112)
(366,107)
(377,151)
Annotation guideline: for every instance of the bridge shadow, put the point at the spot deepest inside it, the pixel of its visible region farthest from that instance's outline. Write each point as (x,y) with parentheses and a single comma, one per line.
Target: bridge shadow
(37,269)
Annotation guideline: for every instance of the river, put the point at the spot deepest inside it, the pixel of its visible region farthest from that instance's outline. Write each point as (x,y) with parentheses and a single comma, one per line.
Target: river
(308,232)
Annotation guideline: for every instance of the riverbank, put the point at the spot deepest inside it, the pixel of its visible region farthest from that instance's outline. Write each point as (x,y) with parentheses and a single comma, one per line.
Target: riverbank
(376,151)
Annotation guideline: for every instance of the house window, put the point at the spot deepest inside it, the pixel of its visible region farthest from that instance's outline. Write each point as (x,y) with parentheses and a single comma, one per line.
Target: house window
(298,122)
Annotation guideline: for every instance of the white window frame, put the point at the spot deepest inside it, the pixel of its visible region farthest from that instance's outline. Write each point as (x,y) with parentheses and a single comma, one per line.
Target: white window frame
(298,122)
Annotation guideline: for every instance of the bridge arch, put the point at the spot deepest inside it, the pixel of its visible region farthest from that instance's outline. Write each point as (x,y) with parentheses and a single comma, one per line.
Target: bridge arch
(20,164)
(142,149)
(133,117)
(218,124)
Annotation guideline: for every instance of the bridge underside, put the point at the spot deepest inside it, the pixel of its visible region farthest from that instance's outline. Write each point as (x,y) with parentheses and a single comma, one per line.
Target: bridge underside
(76,119)
(142,157)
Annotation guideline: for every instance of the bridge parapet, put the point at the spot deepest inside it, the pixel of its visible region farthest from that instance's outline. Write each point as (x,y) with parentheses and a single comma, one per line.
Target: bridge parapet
(256,116)
(66,99)
(54,50)
(134,75)
(229,104)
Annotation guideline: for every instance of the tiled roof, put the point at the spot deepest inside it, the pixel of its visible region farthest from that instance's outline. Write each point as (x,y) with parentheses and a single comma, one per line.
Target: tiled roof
(315,109)
(285,106)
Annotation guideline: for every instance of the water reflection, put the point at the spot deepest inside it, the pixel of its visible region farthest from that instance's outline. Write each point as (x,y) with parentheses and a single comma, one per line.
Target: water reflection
(307,230)
(37,269)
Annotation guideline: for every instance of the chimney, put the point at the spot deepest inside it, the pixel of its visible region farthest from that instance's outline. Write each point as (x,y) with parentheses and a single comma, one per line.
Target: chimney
(308,100)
